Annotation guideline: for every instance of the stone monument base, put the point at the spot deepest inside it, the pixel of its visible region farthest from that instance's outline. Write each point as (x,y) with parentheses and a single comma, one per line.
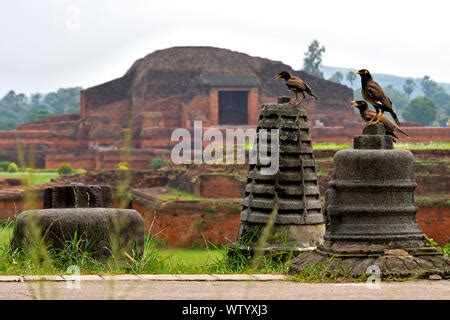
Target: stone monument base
(354,260)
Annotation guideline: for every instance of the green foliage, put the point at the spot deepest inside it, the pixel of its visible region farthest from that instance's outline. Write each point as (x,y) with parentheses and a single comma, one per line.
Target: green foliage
(12,167)
(38,114)
(429,87)
(17,108)
(65,169)
(4,165)
(408,87)
(313,59)
(399,99)
(337,77)
(421,110)
(157,163)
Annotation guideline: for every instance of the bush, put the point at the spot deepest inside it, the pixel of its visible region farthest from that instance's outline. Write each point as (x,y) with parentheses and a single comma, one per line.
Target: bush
(122,166)
(65,169)
(12,167)
(4,165)
(157,163)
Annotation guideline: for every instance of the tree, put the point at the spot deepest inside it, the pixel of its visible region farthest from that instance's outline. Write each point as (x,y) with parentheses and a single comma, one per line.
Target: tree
(429,87)
(313,59)
(421,110)
(408,87)
(37,114)
(351,77)
(35,101)
(399,99)
(337,77)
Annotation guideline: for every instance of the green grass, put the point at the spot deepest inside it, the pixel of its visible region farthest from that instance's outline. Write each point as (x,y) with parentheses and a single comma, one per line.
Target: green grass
(180,196)
(30,179)
(331,146)
(154,260)
(436,145)
(195,257)
(34,177)
(5,235)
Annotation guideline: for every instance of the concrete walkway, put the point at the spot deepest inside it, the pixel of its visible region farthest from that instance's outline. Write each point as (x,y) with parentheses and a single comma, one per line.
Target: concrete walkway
(197,287)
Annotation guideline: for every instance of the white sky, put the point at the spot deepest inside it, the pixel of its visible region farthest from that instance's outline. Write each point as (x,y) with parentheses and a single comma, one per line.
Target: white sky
(44,45)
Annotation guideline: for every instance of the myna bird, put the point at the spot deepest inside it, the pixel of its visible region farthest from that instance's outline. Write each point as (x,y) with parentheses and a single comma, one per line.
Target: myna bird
(367,115)
(296,85)
(373,93)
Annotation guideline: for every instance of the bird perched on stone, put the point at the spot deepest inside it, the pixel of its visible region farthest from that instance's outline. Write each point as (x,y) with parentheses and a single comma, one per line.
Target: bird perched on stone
(296,85)
(373,93)
(367,115)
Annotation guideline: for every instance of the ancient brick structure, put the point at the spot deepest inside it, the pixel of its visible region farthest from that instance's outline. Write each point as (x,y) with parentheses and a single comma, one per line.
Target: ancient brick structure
(165,90)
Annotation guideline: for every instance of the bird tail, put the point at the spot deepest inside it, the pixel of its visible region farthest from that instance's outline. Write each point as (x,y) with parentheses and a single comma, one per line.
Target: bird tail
(313,95)
(394,116)
(401,131)
(394,137)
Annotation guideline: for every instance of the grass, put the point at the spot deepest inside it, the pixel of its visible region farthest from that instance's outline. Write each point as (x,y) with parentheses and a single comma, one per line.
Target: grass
(154,260)
(215,260)
(435,145)
(180,196)
(34,177)
(331,146)
(433,199)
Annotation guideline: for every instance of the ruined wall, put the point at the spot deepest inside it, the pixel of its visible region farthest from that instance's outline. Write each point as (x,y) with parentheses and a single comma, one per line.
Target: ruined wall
(435,222)
(191,224)
(106,112)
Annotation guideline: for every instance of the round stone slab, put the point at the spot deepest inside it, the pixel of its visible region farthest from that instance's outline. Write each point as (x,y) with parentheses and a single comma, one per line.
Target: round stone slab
(103,231)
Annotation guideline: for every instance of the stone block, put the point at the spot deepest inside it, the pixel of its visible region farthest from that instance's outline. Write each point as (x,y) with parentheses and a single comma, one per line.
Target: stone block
(102,230)
(78,196)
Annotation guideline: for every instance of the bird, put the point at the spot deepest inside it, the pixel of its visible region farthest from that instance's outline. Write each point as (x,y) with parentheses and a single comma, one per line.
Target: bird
(367,115)
(373,93)
(296,85)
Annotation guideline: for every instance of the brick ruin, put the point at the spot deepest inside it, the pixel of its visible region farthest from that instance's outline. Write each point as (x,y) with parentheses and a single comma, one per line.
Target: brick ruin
(165,90)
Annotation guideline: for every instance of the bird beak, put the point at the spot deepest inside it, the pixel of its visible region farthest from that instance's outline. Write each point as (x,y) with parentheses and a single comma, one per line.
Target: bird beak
(354,104)
(277,77)
(356,72)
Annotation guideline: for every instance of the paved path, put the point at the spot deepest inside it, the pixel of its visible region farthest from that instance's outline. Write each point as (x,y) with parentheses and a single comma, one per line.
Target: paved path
(233,287)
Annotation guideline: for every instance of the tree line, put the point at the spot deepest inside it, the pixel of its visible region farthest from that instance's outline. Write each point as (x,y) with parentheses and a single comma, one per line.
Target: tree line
(18,108)
(431,108)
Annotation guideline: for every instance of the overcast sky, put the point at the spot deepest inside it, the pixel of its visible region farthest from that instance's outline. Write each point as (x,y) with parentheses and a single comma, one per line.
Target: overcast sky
(48,44)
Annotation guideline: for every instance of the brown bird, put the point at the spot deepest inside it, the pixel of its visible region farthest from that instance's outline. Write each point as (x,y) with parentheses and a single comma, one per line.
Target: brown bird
(373,93)
(296,85)
(367,115)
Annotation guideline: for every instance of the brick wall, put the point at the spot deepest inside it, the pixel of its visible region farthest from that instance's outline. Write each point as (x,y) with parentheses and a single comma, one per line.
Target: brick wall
(435,222)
